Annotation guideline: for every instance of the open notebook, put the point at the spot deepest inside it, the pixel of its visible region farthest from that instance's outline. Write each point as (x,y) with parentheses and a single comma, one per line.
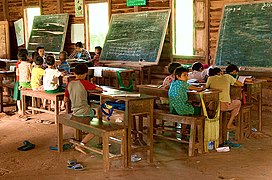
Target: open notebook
(243,78)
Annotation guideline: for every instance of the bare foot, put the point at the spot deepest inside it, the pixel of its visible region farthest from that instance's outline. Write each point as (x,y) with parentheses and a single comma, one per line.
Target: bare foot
(80,149)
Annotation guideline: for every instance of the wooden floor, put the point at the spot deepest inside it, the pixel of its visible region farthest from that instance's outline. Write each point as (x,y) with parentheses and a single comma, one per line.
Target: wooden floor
(171,161)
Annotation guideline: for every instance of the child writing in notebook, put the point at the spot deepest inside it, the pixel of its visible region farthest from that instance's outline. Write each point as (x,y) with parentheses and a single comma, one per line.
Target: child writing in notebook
(198,72)
(178,98)
(218,80)
(76,91)
(233,70)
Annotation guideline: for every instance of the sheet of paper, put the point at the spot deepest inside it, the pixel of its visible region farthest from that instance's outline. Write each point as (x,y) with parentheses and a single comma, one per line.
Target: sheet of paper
(243,78)
(77,33)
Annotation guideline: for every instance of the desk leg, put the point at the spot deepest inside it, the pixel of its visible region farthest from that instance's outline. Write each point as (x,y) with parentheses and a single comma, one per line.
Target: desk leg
(149,75)
(150,132)
(106,158)
(56,109)
(128,123)
(24,104)
(1,95)
(60,137)
(141,75)
(260,111)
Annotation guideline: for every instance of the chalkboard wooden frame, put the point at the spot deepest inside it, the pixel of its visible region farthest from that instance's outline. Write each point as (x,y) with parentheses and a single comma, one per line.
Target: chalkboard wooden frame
(168,11)
(47,50)
(245,68)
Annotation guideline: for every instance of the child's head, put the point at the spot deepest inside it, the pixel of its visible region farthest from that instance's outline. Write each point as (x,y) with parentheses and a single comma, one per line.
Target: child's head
(197,66)
(232,69)
(181,74)
(24,51)
(40,50)
(81,71)
(215,71)
(63,56)
(97,50)
(79,46)
(172,67)
(50,61)
(39,61)
(22,56)
(35,55)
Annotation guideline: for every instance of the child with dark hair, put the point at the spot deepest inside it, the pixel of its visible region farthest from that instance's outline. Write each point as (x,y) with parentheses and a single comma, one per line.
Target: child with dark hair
(24,69)
(171,69)
(51,77)
(218,80)
(178,98)
(37,74)
(80,52)
(41,51)
(233,70)
(97,52)
(76,91)
(198,72)
(64,66)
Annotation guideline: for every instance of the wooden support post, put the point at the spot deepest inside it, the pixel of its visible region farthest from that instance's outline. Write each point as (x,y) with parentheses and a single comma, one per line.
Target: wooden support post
(60,6)
(171,23)
(136,8)
(40,5)
(5,10)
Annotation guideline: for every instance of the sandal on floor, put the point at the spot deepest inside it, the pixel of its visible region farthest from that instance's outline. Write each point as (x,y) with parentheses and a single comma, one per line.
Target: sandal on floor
(27,146)
(24,118)
(71,162)
(77,167)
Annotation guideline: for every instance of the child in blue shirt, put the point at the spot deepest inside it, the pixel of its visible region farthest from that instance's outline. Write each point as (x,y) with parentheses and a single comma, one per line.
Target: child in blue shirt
(64,66)
(178,98)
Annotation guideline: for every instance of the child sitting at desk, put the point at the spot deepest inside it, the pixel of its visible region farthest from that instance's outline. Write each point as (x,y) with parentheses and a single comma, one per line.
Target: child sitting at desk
(198,72)
(178,98)
(80,52)
(24,70)
(64,66)
(51,77)
(97,52)
(37,74)
(76,91)
(218,80)
(171,69)
(233,70)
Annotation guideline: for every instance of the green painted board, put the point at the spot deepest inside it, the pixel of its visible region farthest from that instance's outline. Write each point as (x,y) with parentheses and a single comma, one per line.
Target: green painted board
(135,36)
(245,37)
(49,31)
(136,2)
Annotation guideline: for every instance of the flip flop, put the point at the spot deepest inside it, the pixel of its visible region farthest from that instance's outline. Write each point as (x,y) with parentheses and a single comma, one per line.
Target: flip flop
(65,147)
(77,167)
(71,162)
(27,146)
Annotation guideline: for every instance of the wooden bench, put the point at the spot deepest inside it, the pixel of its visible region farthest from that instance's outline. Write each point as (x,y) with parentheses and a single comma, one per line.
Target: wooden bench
(56,97)
(103,129)
(196,128)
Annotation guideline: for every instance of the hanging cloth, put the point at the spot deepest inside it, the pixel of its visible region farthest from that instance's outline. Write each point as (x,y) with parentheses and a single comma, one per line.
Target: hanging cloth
(128,88)
(211,130)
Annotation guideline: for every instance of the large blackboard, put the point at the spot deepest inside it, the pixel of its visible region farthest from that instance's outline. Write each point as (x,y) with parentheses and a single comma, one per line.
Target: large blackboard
(245,37)
(135,36)
(48,31)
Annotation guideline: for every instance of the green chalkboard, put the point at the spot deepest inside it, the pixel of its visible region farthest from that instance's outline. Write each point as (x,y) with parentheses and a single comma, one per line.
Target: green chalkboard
(48,31)
(245,37)
(135,36)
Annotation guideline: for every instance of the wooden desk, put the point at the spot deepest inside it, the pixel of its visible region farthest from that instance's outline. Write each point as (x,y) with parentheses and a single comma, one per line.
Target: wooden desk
(136,67)
(4,74)
(209,95)
(254,97)
(56,97)
(9,62)
(134,106)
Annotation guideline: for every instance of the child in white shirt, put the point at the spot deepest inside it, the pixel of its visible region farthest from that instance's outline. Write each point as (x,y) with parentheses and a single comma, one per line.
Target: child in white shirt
(198,72)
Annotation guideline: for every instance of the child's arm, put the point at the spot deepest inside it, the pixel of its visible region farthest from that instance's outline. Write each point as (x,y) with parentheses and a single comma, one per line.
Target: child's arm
(238,83)
(194,88)
(98,88)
